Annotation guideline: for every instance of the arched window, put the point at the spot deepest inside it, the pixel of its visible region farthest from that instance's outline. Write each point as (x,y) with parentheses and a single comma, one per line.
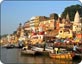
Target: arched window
(60,31)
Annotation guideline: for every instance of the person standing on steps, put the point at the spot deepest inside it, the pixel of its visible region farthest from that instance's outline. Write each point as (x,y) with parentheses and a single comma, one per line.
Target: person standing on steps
(44,45)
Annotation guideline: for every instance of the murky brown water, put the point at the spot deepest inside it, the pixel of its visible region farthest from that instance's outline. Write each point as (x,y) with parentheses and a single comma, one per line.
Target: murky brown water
(14,56)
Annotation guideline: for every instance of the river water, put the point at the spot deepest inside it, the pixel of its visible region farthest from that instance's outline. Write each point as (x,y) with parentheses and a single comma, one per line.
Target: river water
(14,56)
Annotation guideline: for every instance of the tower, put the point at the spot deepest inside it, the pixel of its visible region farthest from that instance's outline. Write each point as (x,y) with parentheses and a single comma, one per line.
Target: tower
(67,17)
(77,18)
(19,30)
(76,24)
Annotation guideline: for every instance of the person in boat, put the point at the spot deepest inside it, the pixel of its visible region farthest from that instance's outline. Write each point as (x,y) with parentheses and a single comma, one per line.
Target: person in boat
(53,48)
(29,45)
(75,48)
(56,50)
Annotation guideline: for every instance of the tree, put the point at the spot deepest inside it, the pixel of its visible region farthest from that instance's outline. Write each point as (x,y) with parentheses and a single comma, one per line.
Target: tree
(14,32)
(54,16)
(71,10)
(4,35)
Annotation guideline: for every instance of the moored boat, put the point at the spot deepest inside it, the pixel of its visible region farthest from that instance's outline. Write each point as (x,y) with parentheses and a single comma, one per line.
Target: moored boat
(37,49)
(28,52)
(8,46)
(68,56)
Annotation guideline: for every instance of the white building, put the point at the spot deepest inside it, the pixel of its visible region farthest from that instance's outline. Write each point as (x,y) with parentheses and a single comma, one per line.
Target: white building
(77,24)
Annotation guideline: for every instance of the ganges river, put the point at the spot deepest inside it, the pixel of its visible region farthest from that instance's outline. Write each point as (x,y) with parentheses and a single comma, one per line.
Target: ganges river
(9,56)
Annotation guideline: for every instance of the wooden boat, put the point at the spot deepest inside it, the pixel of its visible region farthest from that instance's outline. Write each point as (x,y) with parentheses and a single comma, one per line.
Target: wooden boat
(28,52)
(38,49)
(68,56)
(8,46)
(78,54)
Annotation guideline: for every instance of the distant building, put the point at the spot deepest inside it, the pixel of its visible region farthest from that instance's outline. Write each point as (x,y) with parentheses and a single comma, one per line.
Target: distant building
(47,25)
(20,31)
(26,26)
(39,23)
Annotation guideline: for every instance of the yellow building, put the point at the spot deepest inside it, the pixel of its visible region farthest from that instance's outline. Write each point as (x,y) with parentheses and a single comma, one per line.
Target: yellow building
(47,25)
(65,33)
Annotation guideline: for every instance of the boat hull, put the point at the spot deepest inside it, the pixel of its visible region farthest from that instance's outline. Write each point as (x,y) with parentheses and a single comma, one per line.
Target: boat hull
(28,52)
(67,56)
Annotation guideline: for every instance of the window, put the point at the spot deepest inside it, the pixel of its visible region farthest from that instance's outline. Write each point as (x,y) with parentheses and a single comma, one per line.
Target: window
(60,31)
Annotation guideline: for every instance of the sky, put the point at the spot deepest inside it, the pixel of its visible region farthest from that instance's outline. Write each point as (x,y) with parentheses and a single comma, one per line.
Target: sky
(15,12)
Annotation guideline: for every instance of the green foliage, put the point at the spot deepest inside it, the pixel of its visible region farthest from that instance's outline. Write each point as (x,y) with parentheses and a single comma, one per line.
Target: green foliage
(0,36)
(5,35)
(14,32)
(71,10)
(56,16)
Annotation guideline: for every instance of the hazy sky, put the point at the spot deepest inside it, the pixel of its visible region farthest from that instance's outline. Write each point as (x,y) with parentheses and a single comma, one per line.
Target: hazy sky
(15,12)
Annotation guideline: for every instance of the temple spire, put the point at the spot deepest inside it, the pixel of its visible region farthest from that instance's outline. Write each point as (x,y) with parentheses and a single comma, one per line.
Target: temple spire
(77,17)
(67,17)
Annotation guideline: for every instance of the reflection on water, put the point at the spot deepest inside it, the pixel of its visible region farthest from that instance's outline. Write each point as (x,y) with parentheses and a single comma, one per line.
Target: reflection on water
(14,56)
(57,61)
